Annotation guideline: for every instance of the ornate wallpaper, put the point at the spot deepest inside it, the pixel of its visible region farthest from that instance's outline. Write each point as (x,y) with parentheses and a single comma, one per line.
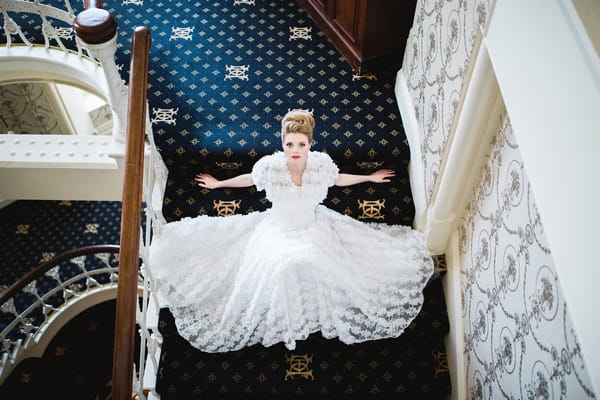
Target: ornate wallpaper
(25,108)
(437,58)
(519,339)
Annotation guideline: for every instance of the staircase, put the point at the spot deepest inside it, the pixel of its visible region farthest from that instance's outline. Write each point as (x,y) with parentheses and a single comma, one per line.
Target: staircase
(221,75)
(223,130)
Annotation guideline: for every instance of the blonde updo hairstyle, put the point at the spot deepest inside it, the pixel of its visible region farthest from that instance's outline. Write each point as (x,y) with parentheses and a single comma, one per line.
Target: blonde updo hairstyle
(298,121)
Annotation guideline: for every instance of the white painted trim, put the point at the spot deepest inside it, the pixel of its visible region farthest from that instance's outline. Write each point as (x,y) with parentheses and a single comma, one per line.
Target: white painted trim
(56,151)
(60,167)
(475,125)
(549,81)
(455,339)
(63,167)
(152,320)
(22,63)
(5,202)
(416,170)
(47,169)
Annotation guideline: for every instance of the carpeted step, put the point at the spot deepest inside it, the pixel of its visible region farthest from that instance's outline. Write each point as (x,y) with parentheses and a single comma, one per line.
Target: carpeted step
(412,366)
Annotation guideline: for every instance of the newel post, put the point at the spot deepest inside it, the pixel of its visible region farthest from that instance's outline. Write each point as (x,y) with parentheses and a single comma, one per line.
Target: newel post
(96,28)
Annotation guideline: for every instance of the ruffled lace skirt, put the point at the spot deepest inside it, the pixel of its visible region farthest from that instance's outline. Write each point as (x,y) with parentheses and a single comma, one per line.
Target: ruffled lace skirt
(236,281)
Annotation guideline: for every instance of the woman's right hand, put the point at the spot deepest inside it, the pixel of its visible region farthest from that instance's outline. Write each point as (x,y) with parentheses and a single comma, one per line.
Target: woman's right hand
(207,181)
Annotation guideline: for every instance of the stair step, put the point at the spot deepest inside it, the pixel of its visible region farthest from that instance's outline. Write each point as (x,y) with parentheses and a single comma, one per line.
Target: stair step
(411,366)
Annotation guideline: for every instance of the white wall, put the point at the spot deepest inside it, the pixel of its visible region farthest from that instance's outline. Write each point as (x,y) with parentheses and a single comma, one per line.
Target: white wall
(549,76)
(518,332)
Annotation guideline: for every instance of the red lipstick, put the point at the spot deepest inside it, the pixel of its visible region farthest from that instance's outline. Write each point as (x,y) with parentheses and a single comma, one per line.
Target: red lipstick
(295,157)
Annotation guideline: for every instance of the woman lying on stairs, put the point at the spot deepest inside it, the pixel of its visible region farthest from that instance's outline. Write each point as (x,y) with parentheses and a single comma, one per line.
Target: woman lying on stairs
(280,275)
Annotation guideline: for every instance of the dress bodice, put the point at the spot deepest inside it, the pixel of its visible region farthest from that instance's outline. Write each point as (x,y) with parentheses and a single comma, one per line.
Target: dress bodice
(294,205)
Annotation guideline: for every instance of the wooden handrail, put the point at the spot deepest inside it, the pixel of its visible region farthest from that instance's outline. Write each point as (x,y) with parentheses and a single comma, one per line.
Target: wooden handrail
(94,25)
(125,329)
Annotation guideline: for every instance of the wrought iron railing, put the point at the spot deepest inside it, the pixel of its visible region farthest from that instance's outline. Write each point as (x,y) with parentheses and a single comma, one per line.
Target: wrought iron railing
(36,301)
(49,16)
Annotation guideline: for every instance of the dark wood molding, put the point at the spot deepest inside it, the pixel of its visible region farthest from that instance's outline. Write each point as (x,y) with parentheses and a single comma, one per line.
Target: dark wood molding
(95,25)
(366,32)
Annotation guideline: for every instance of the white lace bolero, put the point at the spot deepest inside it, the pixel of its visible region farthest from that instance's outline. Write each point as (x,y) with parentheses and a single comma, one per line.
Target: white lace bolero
(271,174)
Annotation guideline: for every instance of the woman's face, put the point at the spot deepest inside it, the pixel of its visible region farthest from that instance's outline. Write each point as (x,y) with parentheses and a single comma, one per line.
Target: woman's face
(296,147)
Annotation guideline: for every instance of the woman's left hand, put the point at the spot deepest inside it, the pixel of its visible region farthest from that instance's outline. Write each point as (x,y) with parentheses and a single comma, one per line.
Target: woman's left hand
(382,175)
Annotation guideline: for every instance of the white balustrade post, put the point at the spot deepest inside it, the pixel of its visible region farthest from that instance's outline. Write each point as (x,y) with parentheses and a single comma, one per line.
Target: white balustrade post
(97,30)
(117,90)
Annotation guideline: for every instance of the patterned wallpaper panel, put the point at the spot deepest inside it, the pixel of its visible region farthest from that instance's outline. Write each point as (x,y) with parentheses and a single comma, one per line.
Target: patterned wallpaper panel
(25,108)
(437,58)
(519,339)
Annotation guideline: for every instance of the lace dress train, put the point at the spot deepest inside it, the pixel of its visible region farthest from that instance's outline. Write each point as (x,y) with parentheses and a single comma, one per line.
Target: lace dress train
(297,268)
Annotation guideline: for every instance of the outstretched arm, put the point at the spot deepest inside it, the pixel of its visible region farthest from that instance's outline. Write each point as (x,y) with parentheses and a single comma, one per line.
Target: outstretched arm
(209,182)
(379,176)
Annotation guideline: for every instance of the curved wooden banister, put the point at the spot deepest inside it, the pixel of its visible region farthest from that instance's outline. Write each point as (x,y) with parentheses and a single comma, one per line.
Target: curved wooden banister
(125,323)
(95,25)
(54,261)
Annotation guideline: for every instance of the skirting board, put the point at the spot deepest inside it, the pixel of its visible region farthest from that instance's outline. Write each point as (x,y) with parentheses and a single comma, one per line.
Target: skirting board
(4,203)
(415,167)
(455,338)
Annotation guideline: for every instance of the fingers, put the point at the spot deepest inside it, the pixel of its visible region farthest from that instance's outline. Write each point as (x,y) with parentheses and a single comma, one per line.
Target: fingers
(205,185)
(383,175)
(204,180)
(386,173)
(200,177)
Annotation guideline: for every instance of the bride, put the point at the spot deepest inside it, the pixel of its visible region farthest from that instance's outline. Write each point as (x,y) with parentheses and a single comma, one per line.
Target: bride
(280,275)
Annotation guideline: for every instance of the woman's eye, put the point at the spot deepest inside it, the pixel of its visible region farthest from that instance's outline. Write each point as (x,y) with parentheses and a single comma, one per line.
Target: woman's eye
(288,144)
(302,144)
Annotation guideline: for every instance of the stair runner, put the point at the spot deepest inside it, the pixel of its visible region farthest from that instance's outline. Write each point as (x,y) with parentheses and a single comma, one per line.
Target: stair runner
(413,366)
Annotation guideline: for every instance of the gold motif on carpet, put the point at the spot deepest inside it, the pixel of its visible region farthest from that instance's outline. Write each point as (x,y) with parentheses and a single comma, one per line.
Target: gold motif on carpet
(229,166)
(369,164)
(442,360)
(226,208)
(299,366)
(371,209)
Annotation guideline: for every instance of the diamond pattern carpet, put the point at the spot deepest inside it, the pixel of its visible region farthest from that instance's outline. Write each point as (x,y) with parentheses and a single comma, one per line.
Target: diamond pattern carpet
(32,232)
(221,77)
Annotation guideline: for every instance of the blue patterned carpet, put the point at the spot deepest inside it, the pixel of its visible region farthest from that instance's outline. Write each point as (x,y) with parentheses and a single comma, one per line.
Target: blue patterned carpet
(34,231)
(221,77)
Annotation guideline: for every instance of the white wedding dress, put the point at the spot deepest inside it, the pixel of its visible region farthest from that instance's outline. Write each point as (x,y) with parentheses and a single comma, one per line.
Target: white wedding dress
(297,268)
